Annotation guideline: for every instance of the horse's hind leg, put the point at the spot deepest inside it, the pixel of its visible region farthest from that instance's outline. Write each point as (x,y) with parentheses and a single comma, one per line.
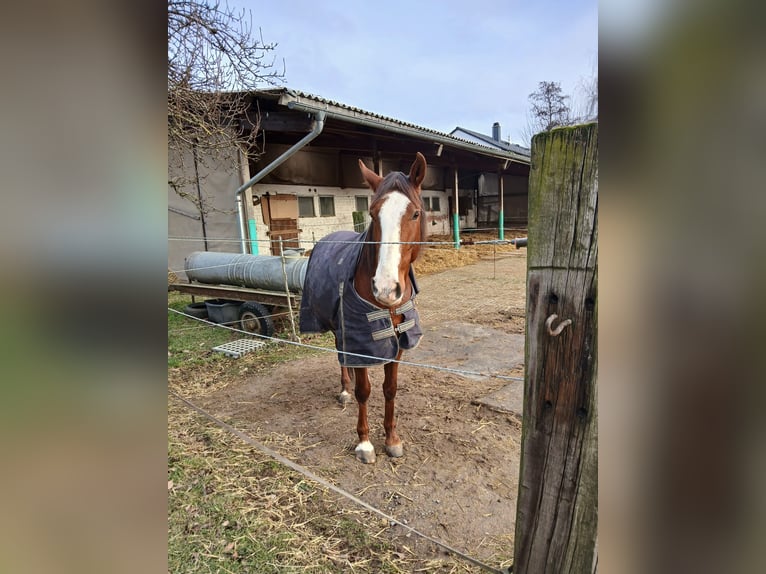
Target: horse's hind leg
(345,380)
(365,452)
(393,442)
(345,386)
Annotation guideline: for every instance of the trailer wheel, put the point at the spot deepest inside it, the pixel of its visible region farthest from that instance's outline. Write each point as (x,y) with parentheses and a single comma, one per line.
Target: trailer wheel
(255,318)
(198,310)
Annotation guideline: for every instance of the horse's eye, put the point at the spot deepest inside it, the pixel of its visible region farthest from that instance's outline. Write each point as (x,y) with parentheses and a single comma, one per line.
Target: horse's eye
(416,215)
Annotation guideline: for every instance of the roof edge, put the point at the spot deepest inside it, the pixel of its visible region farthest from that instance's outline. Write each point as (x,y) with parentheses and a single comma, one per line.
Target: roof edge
(304,102)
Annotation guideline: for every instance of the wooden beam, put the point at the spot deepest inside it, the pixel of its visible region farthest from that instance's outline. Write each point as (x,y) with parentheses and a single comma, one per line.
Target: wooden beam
(390,146)
(557,507)
(236,293)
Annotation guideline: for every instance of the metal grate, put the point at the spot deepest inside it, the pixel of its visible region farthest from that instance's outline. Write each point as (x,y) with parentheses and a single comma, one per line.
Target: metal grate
(239,347)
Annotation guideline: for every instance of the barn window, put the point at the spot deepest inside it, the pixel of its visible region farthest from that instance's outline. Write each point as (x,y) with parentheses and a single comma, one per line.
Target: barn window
(306,207)
(361,203)
(326,205)
(431,204)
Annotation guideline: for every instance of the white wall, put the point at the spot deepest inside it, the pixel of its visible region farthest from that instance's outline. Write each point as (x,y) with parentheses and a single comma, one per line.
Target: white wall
(314,228)
(439,222)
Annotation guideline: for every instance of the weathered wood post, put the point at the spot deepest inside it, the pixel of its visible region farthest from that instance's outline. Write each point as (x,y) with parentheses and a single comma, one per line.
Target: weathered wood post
(557,508)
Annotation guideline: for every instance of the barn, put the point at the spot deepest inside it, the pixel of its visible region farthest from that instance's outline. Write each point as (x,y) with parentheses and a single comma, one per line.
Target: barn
(300,180)
(487,193)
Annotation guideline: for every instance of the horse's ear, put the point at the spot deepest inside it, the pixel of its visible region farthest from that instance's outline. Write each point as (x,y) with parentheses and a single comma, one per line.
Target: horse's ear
(372,178)
(418,170)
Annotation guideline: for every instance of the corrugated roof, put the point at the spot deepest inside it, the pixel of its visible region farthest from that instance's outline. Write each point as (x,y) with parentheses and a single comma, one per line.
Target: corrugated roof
(496,143)
(296,98)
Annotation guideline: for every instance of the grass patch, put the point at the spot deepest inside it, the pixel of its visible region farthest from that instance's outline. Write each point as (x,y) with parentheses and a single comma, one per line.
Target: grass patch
(195,369)
(231,509)
(190,341)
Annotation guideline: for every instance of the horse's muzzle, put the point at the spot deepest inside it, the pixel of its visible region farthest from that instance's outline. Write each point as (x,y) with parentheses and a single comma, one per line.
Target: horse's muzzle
(387,296)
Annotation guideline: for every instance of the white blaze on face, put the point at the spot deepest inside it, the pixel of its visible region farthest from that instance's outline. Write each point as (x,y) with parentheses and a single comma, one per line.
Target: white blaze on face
(390,253)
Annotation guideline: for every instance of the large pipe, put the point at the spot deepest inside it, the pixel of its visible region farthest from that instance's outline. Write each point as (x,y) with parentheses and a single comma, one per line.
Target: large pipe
(245,270)
(316,129)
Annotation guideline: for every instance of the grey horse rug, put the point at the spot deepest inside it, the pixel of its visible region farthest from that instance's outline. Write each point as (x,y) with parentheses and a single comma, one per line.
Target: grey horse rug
(330,303)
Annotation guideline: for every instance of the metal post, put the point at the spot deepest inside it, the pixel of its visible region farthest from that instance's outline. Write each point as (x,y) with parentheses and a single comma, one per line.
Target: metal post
(253,235)
(456,217)
(247,201)
(501,213)
(241,221)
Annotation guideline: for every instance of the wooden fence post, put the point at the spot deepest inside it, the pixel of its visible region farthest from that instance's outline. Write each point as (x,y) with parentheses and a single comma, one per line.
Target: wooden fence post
(557,508)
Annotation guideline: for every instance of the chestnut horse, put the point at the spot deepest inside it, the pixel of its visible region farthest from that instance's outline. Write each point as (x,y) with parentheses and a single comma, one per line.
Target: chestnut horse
(362,287)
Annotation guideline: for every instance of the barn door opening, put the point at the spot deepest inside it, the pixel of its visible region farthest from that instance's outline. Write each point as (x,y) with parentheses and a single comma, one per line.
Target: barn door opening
(280,214)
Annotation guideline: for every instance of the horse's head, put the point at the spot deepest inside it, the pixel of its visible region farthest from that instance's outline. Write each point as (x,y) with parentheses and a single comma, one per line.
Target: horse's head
(397,217)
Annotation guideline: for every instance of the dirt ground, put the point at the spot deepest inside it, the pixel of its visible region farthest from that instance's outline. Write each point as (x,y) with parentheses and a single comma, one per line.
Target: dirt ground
(458,478)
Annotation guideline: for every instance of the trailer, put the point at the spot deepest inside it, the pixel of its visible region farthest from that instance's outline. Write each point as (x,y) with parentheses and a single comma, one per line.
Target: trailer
(244,291)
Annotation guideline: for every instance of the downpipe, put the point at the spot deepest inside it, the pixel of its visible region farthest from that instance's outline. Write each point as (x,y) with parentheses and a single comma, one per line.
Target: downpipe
(316,129)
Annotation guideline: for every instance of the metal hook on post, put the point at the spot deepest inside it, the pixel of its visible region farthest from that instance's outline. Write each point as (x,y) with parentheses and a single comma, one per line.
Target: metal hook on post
(557,331)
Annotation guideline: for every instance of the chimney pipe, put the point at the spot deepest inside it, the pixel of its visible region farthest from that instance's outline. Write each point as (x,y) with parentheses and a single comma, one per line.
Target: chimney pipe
(496,131)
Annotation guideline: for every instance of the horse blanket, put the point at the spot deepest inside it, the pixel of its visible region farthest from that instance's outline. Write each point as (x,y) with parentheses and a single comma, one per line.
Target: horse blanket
(330,303)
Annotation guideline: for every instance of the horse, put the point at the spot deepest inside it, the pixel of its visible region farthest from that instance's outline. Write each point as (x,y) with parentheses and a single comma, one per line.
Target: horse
(362,287)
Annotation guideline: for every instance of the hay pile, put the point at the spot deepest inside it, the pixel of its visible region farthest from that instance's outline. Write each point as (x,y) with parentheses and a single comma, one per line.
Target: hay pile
(437,258)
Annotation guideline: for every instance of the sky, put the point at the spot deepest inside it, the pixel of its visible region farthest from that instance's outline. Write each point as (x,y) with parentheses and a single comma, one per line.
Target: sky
(438,65)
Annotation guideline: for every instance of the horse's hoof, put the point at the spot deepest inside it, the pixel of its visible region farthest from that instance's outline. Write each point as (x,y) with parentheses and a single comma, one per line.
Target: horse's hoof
(344,398)
(395,451)
(365,452)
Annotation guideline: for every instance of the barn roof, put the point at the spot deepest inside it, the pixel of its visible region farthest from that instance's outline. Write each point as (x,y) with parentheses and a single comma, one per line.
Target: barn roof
(495,143)
(302,101)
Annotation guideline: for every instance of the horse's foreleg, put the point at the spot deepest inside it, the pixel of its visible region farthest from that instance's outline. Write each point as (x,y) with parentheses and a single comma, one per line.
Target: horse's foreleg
(345,386)
(365,452)
(393,442)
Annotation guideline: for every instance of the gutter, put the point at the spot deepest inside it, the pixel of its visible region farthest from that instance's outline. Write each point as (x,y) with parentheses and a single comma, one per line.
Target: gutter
(295,102)
(316,129)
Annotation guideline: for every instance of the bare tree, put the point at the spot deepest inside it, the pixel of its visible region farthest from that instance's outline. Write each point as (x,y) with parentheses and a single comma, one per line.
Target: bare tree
(548,107)
(586,100)
(213,57)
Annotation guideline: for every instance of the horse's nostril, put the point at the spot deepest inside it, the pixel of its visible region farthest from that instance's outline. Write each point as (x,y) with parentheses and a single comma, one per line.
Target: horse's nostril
(398,290)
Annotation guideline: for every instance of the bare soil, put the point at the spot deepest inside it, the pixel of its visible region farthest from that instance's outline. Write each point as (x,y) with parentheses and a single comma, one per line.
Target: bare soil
(458,478)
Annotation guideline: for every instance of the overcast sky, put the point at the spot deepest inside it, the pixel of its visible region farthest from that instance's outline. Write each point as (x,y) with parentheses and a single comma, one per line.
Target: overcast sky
(439,65)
